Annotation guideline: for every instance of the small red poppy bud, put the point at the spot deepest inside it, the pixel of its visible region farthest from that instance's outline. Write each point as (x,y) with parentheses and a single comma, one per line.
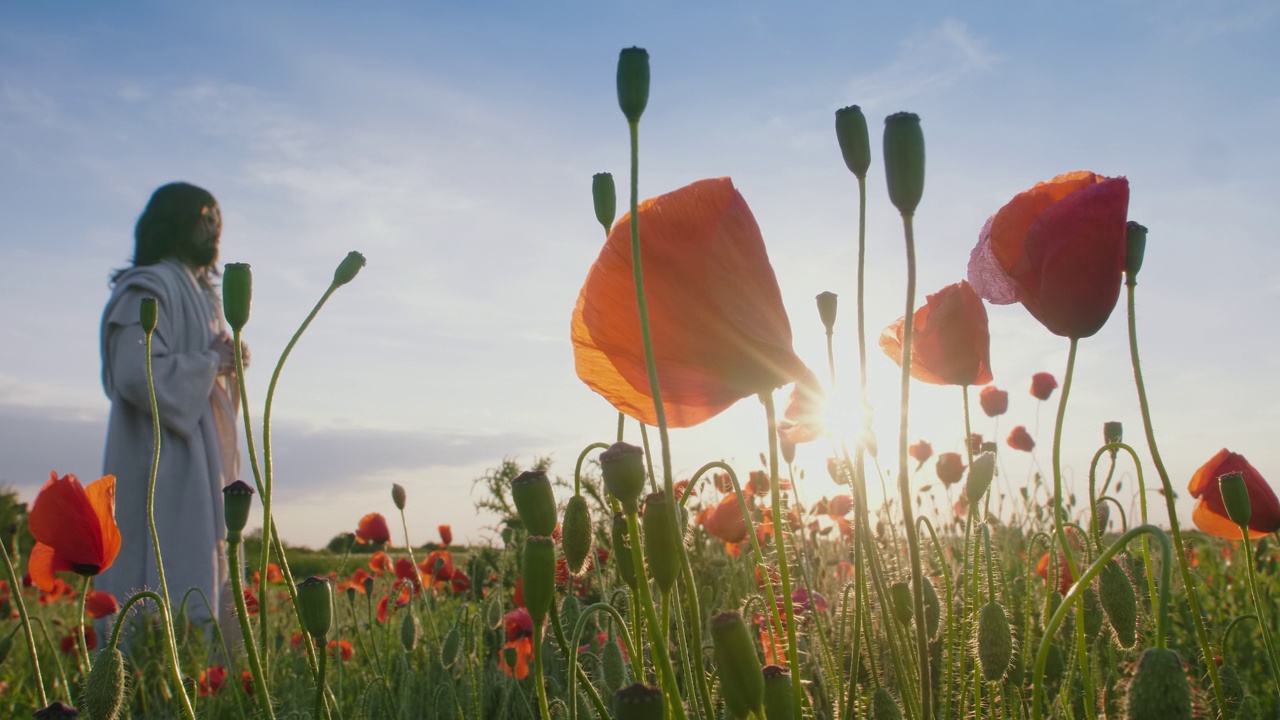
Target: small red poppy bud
(741,677)
(1235,497)
(622,551)
(535,503)
(827,310)
(397,495)
(980,475)
(1042,385)
(994,401)
(778,703)
(348,269)
(622,466)
(661,541)
(237,294)
(605,198)
(539,574)
(148,315)
(1135,248)
(904,161)
(633,82)
(237,499)
(855,143)
(315,606)
(576,534)
(639,702)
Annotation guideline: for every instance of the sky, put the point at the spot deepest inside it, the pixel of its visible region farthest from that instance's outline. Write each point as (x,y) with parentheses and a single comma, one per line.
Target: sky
(454,143)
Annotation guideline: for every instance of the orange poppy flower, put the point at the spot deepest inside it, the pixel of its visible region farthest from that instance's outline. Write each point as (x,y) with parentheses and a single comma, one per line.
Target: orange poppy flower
(373,529)
(950,342)
(1020,439)
(1210,515)
(840,506)
(341,647)
(379,563)
(251,605)
(356,582)
(720,332)
(724,520)
(1059,249)
(74,527)
(438,565)
(99,604)
(1065,578)
(446,534)
(521,652)
(273,574)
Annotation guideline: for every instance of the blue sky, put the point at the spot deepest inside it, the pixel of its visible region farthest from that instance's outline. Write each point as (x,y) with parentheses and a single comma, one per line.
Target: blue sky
(454,145)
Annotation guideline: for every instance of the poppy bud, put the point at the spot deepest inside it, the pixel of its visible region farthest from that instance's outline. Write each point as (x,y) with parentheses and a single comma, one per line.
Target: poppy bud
(904,161)
(883,706)
(237,295)
(1135,248)
(980,474)
(639,701)
(368,585)
(539,573)
(616,672)
(903,603)
(576,534)
(995,642)
(622,551)
(104,688)
(409,638)
(855,144)
(622,466)
(778,703)
(605,198)
(1115,592)
(633,82)
(662,539)
(1054,665)
(932,610)
(1112,432)
(348,269)
(148,315)
(1092,613)
(570,611)
(536,505)
(1159,689)
(315,609)
(1235,497)
(741,678)
(397,495)
(827,310)
(449,647)
(1232,690)
(57,709)
(237,499)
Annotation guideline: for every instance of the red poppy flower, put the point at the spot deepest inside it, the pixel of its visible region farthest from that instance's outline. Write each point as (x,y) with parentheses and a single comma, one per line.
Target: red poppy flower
(950,468)
(920,452)
(99,604)
(296,640)
(460,582)
(994,401)
(356,582)
(807,600)
(1020,439)
(408,573)
(1059,249)
(950,342)
(1064,571)
(379,563)
(211,680)
(520,652)
(341,648)
(250,602)
(373,529)
(69,642)
(1042,385)
(518,624)
(757,483)
(246,681)
(774,652)
(446,534)
(681,488)
(724,520)
(273,574)
(74,528)
(438,565)
(975,443)
(720,332)
(1210,515)
(402,599)
(840,506)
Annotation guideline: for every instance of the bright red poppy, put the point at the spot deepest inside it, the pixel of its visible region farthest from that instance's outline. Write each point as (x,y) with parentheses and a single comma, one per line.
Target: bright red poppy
(438,565)
(355,583)
(70,641)
(211,680)
(950,342)
(1059,249)
(74,528)
(379,563)
(341,648)
(1042,385)
(373,529)
(720,332)
(1064,571)
(460,582)
(99,604)
(1020,439)
(993,400)
(724,520)
(273,574)
(250,602)
(408,573)
(1210,515)
(246,681)
(920,452)
(446,534)
(521,652)
(518,623)
(950,468)
(840,506)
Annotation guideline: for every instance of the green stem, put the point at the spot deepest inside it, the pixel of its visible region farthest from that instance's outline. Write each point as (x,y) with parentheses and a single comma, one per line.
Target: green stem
(575,671)
(1257,606)
(582,456)
(945,700)
(319,706)
(539,682)
(1142,504)
(571,651)
(57,662)
(16,594)
(260,693)
(657,637)
(81,643)
(781,528)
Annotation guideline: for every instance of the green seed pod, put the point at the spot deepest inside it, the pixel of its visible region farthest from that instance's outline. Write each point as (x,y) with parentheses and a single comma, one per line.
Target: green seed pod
(995,642)
(622,552)
(639,701)
(904,161)
(348,269)
(148,315)
(539,573)
(827,307)
(570,611)
(855,143)
(741,677)
(397,495)
(633,82)
(1112,432)
(903,604)
(535,503)
(576,534)
(932,610)
(103,697)
(981,472)
(605,198)
(778,703)
(1135,248)
(586,711)
(1119,602)
(622,466)
(1232,690)
(1159,690)
(1054,665)
(315,607)
(883,706)
(237,500)
(237,294)
(1092,613)
(1235,497)
(661,541)
(616,671)
(409,637)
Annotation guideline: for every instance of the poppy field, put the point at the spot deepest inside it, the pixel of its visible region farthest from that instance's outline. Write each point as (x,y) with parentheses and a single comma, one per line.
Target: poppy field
(623,591)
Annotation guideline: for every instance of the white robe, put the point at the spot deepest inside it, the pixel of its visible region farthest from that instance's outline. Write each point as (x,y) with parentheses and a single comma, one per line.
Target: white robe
(198,452)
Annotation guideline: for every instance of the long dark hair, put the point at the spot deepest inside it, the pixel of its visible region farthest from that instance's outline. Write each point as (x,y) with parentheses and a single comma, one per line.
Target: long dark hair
(165,228)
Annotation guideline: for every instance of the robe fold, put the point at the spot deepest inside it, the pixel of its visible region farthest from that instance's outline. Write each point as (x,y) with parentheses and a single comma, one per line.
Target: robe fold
(198,452)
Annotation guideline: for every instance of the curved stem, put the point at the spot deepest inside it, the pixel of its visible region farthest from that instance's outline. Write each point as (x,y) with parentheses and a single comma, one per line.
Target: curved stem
(1113,448)
(945,699)
(582,456)
(570,652)
(1267,642)
(1226,634)
(657,636)
(260,692)
(16,594)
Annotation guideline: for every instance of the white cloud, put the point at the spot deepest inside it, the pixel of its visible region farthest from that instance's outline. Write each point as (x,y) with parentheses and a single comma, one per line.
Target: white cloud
(928,62)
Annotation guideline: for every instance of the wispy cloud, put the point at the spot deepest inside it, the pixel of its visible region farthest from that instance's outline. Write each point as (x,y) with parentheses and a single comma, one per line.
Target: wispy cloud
(927,62)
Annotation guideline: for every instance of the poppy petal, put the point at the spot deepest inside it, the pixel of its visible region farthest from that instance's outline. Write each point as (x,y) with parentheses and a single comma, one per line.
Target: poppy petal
(1010,224)
(1219,525)
(102,496)
(42,565)
(63,518)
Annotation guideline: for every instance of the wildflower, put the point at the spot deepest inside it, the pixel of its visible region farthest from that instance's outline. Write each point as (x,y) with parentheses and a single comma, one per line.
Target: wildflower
(950,468)
(1064,571)
(438,566)
(1059,249)
(446,534)
(994,401)
(950,342)
(840,506)
(1210,515)
(273,574)
(373,529)
(72,638)
(807,600)
(74,528)
(246,682)
(1020,439)
(920,452)
(724,520)
(802,419)
(460,582)
(341,648)
(1042,385)
(99,604)
(720,331)
(211,680)
(406,572)
(355,583)
(250,602)
(379,563)
(515,657)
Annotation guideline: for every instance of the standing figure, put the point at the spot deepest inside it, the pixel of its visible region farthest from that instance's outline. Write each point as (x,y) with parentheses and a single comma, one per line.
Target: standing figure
(193,366)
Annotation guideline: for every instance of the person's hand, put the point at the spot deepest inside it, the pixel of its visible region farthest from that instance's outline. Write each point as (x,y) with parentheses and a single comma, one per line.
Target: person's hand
(226,353)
